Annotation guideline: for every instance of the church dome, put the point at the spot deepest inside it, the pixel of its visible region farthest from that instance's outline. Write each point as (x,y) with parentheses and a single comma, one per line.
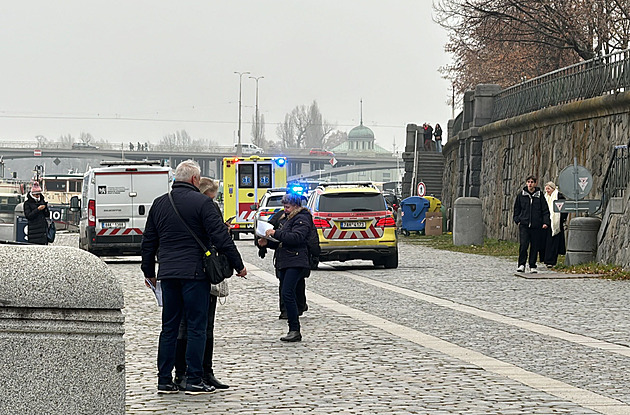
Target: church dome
(361,132)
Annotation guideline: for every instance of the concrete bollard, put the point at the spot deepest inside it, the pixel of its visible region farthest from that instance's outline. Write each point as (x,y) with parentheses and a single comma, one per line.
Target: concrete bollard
(467,222)
(582,240)
(61,333)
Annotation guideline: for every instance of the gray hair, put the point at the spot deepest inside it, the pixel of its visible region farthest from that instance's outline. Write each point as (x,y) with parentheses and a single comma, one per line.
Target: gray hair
(207,184)
(551,184)
(186,170)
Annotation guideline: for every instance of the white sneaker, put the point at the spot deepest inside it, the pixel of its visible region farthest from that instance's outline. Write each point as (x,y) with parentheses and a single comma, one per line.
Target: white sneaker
(533,270)
(521,268)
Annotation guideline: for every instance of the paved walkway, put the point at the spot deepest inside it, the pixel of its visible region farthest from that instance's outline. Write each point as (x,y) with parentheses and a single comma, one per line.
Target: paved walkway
(446,333)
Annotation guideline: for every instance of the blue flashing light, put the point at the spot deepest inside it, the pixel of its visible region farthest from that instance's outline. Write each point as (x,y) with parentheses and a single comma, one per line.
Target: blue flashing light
(296,189)
(281,161)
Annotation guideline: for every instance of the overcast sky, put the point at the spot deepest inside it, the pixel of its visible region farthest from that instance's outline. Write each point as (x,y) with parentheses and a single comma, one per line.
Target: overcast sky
(138,70)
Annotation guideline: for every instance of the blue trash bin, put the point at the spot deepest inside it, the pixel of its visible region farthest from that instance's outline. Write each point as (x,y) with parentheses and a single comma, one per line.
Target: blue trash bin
(414,210)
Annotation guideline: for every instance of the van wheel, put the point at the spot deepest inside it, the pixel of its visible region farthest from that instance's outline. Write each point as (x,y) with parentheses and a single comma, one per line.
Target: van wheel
(391,261)
(236,236)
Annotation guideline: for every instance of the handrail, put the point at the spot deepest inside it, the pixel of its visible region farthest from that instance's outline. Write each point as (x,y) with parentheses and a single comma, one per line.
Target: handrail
(617,175)
(602,75)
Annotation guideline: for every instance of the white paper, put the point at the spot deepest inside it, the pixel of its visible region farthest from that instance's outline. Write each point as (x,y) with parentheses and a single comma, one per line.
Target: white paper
(262,227)
(157,290)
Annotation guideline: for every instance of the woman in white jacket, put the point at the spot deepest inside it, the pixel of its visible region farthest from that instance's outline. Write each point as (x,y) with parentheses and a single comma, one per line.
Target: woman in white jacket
(555,244)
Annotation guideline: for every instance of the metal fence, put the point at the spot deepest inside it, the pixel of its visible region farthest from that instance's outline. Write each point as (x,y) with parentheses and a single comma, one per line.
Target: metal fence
(603,75)
(617,176)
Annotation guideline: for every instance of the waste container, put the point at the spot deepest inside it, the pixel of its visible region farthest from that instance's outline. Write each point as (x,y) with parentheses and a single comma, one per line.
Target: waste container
(434,203)
(414,210)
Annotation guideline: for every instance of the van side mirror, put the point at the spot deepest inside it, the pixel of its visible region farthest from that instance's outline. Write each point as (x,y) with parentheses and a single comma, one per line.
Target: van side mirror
(254,206)
(75,204)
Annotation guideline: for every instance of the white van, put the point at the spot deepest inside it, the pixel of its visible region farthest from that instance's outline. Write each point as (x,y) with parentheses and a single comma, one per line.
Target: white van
(115,202)
(248,149)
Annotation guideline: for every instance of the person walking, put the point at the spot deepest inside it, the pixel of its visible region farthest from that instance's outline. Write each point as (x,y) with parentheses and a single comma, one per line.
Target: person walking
(185,288)
(36,212)
(291,257)
(438,137)
(554,244)
(531,214)
(428,136)
(209,188)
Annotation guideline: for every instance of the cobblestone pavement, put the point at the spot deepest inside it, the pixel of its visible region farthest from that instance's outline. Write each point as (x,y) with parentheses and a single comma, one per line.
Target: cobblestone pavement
(445,333)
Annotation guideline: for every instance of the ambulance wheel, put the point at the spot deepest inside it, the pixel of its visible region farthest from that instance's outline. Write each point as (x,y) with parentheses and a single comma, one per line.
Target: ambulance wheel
(236,236)
(405,232)
(391,261)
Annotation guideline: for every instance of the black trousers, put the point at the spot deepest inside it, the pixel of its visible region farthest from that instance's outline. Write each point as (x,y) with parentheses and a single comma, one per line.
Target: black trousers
(300,295)
(531,239)
(180,354)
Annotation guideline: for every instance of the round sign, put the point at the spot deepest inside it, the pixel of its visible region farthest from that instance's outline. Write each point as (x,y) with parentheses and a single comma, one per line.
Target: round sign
(575,182)
(422,189)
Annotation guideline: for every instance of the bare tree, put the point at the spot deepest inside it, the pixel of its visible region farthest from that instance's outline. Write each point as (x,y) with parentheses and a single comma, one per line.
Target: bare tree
(335,138)
(258,130)
(512,40)
(304,127)
(66,141)
(86,137)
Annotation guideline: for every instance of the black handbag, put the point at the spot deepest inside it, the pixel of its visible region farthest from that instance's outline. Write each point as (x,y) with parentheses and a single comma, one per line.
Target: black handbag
(51,230)
(215,265)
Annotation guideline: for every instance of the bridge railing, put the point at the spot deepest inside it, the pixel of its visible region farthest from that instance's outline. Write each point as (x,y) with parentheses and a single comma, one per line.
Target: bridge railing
(603,75)
(617,175)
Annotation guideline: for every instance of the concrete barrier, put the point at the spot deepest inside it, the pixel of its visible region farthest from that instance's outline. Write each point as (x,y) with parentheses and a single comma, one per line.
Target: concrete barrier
(61,333)
(467,222)
(582,240)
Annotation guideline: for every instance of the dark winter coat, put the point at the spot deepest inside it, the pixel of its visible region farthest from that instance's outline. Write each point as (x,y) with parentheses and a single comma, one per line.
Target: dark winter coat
(37,224)
(428,133)
(438,133)
(293,236)
(180,255)
(531,210)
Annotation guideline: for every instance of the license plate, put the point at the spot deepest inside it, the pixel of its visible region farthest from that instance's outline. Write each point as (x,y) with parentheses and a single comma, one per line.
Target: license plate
(352,225)
(113,225)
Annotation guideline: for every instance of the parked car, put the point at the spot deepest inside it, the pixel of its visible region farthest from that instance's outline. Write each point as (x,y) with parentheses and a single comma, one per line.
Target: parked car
(392,200)
(321,152)
(249,149)
(270,203)
(353,222)
(83,146)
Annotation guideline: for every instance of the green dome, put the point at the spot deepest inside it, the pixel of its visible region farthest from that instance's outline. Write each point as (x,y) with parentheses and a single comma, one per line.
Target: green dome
(361,132)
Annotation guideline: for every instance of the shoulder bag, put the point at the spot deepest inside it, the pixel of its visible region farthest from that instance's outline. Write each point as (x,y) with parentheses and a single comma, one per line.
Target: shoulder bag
(51,230)
(215,265)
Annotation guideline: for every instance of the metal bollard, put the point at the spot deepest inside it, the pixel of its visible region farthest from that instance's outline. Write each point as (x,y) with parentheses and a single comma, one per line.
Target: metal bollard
(467,222)
(582,240)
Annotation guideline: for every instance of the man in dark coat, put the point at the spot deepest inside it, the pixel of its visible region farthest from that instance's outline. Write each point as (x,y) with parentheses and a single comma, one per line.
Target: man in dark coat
(531,214)
(36,211)
(185,288)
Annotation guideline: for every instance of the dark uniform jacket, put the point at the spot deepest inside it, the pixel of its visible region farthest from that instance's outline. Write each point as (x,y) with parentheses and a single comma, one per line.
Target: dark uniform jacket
(179,254)
(292,250)
(37,225)
(531,210)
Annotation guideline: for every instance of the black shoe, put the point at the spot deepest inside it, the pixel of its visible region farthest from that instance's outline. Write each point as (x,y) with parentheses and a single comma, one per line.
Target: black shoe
(167,388)
(212,381)
(199,388)
(292,336)
(283,316)
(180,381)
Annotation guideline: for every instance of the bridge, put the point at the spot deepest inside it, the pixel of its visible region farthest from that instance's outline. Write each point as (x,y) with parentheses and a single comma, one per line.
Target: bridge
(299,162)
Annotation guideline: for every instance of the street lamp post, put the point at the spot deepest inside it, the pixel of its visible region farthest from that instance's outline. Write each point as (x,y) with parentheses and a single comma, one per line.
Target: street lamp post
(240,83)
(256,125)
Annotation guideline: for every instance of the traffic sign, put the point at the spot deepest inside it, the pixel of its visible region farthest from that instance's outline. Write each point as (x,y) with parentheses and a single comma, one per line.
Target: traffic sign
(572,206)
(37,152)
(575,182)
(333,161)
(422,189)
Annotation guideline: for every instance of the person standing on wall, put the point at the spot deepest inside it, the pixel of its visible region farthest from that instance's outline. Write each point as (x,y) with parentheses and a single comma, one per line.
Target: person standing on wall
(531,214)
(438,137)
(185,288)
(428,136)
(36,211)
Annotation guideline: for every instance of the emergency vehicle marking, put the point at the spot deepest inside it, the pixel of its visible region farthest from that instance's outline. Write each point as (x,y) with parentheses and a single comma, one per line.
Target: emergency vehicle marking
(335,233)
(117,231)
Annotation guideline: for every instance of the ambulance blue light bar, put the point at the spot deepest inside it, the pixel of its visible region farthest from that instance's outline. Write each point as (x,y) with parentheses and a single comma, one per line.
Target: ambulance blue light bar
(281,161)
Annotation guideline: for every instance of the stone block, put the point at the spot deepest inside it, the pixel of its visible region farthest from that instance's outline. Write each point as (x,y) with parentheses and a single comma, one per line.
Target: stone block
(467,222)
(61,329)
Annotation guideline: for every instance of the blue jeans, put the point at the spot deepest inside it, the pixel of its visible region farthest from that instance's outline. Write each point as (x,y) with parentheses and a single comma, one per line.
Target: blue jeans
(189,297)
(438,145)
(289,278)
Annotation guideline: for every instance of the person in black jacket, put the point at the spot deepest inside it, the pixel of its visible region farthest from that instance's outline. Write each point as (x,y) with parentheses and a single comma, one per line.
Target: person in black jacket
(209,188)
(292,257)
(36,211)
(531,214)
(185,288)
